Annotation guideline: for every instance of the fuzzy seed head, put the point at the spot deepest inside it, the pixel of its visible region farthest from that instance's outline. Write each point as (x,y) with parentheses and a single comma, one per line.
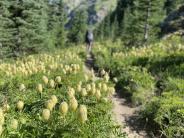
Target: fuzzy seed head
(63,108)
(104,87)
(45,80)
(49,105)
(73,104)
(71,92)
(54,99)
(52,83)
(20,105)
(98,94)
(39,88)
(1,130)
(46,114)
(82,114)
(14,124)
(22,87)
(58,79)
(84,92)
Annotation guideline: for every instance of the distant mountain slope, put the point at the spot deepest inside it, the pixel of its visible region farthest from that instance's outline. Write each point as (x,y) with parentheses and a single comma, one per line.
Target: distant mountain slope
(174,22)
(97,9)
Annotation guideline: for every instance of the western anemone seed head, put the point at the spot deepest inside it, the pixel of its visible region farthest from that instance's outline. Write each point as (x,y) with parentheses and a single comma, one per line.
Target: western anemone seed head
(52,83)
(106,77)
(63,108)
(86,77)
(73,104)
(115,80)
(58,79)
(79,88)
(99,85)
(46,114)
(71,92)
(6,108)
(1,130)
(14,124)
(2,120)
(93,91)
(98,94)
(39,88)
(93,85)
(84,92)
(102,72)
(54,99)
(88,87)
(20,105)
(104,87)
(45,80)
(82,113)
(22,87)
(49,105)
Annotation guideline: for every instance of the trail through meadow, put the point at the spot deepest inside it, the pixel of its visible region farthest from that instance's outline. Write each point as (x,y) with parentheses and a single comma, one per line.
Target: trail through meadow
(123,113)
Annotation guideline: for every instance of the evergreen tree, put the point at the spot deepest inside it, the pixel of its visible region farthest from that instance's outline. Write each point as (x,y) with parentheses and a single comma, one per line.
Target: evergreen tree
(30,23)
(56,24)
(78,27)
(171,5)
(6,33)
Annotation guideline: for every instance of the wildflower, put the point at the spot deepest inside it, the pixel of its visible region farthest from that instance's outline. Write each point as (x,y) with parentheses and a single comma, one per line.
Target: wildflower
(88,87)
(86,77)
(63,108)
(1,117)
(71,92)
(14,124)
(98,94)
(54,99)
(20,105)
(106,77)
(46,114)
(58,79)
(45,80)
(73,104)
(52,83)
(102,72)
(49,105)
(22,87)
(115,80)
(82,113)
(79,88)
(39,88)
(83,92)
(104,87)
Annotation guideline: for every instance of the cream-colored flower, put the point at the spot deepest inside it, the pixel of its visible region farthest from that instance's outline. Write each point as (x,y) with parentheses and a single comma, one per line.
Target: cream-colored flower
(22,87)
(84,92)
(82,114)
(73,104)
(49,105)
(14,124)
(45,80)
(58,79)
(20,105)
(46,114)
(54,99)
(52,83)
(98,94)
(63,108)
(39,88)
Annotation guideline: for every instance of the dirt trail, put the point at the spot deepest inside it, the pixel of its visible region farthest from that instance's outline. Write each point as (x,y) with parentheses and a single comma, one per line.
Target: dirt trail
(125,115)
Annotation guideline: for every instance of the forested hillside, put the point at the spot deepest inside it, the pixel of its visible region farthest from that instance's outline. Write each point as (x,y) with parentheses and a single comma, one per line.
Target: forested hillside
(130,85)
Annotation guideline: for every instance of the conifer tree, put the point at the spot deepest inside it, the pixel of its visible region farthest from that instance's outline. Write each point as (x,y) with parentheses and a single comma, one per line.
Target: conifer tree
(78,27)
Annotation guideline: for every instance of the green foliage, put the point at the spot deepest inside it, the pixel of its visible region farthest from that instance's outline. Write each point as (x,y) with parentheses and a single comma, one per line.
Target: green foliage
(152,76)
(78,27)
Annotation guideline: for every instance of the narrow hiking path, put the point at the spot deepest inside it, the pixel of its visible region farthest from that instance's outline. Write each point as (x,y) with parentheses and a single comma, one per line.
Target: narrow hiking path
(123,113)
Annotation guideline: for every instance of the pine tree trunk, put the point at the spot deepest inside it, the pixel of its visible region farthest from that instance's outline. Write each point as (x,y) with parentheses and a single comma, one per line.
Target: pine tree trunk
(146,28)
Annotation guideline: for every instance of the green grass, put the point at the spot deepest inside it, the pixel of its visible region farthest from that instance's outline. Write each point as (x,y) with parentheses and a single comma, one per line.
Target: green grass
(152,76)
(31,122)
